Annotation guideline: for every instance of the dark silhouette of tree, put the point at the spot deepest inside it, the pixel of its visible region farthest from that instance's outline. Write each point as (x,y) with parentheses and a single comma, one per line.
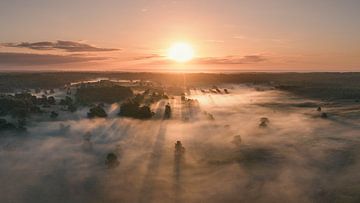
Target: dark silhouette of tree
(96,111)
(179,149)
(129,108)
(19,105)
(209,116)
(264,122)
(54,114)
(183,98)
(99,93)
(51,100)
(111,160)
(72,108)
(133,109)
(4,125)
(22,124)
(167,113)
(324,115)
(66,101)
(145,112)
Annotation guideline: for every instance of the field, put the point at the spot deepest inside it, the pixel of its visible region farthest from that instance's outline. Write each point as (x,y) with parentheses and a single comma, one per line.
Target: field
(263,139)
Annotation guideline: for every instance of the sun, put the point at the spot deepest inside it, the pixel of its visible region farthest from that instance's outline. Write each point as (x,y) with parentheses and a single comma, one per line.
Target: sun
(180,52)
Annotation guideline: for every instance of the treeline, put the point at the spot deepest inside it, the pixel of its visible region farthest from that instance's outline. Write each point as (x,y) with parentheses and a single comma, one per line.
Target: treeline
(23,104)
(331,85)
(94,94)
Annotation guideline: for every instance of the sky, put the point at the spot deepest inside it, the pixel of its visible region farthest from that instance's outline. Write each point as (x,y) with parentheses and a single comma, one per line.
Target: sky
(134,35)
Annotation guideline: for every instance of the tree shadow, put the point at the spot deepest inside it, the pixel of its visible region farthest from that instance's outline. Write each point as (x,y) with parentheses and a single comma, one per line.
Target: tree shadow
(153,166)
(179,160)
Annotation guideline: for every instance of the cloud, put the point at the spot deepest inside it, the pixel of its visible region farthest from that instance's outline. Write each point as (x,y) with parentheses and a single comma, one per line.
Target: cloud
(26,59)
(68,46)
(146,57)
(227,60)
(231,59)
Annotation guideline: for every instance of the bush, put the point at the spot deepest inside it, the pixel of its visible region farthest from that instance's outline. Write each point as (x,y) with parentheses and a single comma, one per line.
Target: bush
(133,109)
(97,111)
(167,113)
(66,101)
(20,105)
(111,160)
(264,122)
(54,114)
(4,125)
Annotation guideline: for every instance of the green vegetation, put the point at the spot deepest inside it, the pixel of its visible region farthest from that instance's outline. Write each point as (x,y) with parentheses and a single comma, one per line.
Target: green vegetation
(133,109)
(312,85)
(4,125)
(92,94)
(54,114)
(167,113)
(264,122)
(20,105)
(111,160)
(96,111)
(69,104)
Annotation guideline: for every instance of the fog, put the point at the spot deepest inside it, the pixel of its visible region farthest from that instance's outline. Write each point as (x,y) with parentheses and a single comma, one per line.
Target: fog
(298,157)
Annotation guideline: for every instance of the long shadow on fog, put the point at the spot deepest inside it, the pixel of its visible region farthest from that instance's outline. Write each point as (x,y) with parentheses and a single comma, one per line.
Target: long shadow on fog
(345,122)
(179,160)
(153,166)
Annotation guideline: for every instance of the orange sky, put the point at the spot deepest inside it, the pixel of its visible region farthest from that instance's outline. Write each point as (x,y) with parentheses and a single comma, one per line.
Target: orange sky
(229,35)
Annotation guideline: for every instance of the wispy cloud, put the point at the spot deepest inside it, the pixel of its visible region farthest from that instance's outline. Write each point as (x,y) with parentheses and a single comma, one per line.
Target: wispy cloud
(226,60)
(147,57)
(69,46)
(231,59)
(26,59)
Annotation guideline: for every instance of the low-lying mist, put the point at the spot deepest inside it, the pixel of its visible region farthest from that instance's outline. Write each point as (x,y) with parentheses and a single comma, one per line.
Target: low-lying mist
(230,156)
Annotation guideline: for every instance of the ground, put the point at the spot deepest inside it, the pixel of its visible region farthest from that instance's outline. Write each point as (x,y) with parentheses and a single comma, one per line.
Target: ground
(298,157)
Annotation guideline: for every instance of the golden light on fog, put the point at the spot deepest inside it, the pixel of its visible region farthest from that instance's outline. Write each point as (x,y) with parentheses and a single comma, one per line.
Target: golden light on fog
(181,52)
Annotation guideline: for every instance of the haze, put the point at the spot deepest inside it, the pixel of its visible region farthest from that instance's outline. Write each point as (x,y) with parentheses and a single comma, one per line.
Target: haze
(179,101)
(229,35)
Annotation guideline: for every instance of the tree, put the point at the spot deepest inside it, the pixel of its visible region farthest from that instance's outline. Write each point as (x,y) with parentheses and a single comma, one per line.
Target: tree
(66,101)
(129,108)
(133,109)
(4,125)
(51,100)
(72,108)
(21,124)
(145,112)
(54,114)
(324,115)
(264,122)
(103,93)
(97,111)
(179,149)
(111,160)
(167,113)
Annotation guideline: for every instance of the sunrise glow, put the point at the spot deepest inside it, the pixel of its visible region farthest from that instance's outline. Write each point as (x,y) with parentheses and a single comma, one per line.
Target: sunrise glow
(152,101)
(180,52)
